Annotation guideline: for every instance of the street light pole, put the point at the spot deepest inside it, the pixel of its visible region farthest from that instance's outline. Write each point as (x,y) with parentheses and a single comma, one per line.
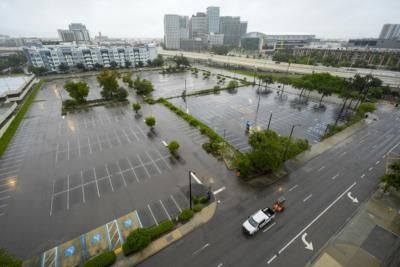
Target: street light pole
(269,121)
(190,189)
(287,145)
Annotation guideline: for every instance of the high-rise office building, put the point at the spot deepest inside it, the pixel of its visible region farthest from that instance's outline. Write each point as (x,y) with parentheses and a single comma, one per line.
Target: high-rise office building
(390,31)
(77,32)
(231,28)
(198,25)
(243,28)
(213,19)
(176,27)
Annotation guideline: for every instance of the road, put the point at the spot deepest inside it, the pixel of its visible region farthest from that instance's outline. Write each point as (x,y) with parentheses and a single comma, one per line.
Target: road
(322,196)
(391,78)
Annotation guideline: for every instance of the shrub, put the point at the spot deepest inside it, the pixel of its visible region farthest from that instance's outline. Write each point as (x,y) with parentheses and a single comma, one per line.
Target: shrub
(185,215)
(203,199)
(149,100)
(150,121)
(197,208)
(173,147)
(104,259)
(136,107)
(136,241)
(157,231)
(195,200)
(69,103)
(9,260)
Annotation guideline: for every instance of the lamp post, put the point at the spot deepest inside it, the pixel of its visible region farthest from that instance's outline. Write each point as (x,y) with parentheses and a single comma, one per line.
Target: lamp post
(287,145)
(190,188)
(269,121)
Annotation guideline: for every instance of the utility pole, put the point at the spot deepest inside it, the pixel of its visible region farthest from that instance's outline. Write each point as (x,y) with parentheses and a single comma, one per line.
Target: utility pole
(190,189)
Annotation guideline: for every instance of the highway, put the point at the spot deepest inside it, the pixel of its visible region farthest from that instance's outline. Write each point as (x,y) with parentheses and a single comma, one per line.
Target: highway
(322,195)
(391,78)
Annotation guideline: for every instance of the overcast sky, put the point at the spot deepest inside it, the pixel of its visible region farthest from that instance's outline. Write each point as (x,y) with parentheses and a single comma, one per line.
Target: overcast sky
(144,18)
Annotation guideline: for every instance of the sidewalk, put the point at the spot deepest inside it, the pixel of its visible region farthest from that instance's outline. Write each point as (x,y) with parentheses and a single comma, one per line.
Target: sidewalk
(371,238)
(199,219)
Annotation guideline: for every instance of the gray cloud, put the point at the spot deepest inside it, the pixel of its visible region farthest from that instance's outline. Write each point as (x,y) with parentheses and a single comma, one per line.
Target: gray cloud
(144,18)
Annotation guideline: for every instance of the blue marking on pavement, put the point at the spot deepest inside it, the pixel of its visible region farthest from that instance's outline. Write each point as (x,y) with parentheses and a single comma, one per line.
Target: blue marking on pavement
(96,238)
(69,251)
(128,223)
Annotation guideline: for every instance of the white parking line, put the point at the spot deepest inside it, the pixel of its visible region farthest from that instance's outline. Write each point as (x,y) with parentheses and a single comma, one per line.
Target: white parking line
(118,139)
(120,170)
(9,172)
(90,147)
(293,187)
(11,166)
(195,178)
(79,147)
(272,259)
(67,192)
(126,136)
(219,190)
(5,197)
(163,158)
(169,217)
(6,190)
(83,190)
(52,198)
(68,150)
(176,203)
(97,184)
(151,212)
(109,178)
(138,218)
(335,176)
(141,162)
(133,170)
(3,206)
(307,198)
(158,169)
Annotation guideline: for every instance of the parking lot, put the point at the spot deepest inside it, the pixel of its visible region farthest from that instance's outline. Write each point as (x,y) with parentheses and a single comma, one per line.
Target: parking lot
(63,176)
(228,112)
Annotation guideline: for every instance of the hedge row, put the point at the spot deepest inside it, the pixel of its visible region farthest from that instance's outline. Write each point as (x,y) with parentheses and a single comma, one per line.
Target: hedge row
(142,237)
(204,129)
(9,133)
(104,259)
(186,215)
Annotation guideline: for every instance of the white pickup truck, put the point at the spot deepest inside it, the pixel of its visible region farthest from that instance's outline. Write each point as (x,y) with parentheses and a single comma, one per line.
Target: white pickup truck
(258,220)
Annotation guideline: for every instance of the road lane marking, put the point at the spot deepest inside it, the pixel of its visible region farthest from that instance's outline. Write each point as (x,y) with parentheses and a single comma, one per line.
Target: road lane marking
(307,198)
(371,168)
(293,187)
(320,169)
(200,249)
(316,218)
(219,190)
(269,227)
(336,176)
(362,176)
(272,259)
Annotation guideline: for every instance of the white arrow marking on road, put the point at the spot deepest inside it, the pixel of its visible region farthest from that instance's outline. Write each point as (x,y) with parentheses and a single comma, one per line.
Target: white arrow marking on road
(354,199)
(308,245)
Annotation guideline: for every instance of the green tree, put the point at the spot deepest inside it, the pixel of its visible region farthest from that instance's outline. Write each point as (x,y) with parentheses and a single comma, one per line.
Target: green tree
(63,67)
(77,90)
(128,64)
(9,260)
(136,107)
(143,86)
(108,81)
(232,84)
(38,70)
(150,121)
(80,66)
(392,178)
(173,147)
(140,64)
(158,62)
(122,94)
(181,61)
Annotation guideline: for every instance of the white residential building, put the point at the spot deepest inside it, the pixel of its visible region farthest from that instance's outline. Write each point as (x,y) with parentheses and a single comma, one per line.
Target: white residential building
(51,57)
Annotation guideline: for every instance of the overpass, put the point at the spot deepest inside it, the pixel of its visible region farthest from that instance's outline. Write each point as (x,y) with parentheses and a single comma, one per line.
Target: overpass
(391,78)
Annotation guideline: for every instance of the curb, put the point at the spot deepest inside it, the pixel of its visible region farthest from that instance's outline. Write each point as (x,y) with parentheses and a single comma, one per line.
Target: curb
(156,246)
